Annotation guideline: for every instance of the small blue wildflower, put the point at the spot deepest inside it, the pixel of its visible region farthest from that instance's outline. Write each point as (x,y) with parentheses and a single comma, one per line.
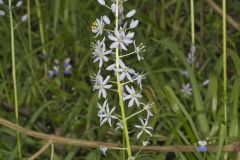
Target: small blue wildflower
(202,149)
(67,71)
(202,146)
(53,72)
(67,66)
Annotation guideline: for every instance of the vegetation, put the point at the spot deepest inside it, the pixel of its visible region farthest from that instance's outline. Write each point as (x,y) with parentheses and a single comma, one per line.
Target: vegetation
(49,41)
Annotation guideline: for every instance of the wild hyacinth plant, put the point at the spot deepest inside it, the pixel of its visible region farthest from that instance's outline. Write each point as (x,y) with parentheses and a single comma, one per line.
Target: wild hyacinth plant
(113,45)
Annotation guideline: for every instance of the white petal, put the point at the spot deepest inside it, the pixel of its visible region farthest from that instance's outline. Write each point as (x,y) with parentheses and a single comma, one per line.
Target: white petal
(130,35)
(24,18)
(122,65)
(103,121)
(106,19)
(107,86)
(102,2)
(128,89)
(114,45)
(134,24)
(131,13)
(202,143)
(2,13)
(141,121)
(19,4)
(105,103)
(100,63)
(129,77)
(148,132)
(111,37)
(139,134)
(106,80)
(130,104)
(123,46)
(127,41)
(137,126)
(110,122)
(102,93)
(95,60)
(113,7)
(112,110)
(108,52)
(105,58)
(137,102)
(127,97)
(116,32)
(111,67)
(122,76)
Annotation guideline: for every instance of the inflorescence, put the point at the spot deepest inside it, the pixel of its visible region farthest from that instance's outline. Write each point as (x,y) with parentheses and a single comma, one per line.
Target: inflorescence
(113,45)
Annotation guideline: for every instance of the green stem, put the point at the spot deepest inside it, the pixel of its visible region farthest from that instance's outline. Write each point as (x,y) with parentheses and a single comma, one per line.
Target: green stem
(29,27)
(225,94)
(127,54)
(119,89)
(14,78)
(192,22)
(40,25)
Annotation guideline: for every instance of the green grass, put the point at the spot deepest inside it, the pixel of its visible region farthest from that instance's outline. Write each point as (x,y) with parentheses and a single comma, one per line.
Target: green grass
(67,105)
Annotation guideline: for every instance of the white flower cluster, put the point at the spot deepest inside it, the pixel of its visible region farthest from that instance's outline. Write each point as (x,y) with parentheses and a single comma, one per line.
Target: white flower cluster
(17,5)
(121,37)
(191,55)
(191,59)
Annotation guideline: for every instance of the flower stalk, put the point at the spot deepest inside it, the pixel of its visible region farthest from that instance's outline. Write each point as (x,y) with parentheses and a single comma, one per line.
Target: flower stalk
(119,88)
(192,22)
(124,81)
(225,93)
(14,78)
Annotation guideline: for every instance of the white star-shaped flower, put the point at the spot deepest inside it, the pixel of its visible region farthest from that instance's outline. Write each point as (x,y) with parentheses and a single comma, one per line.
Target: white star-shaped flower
(102,85)
(125,71)
(107,115)
(102,108)
(138,50)
(120,39)
(100,55)
(186,88)
(147,107)
(97,46)
(133,96)
(139,78)
(98,26)
(119,126)
(144,128)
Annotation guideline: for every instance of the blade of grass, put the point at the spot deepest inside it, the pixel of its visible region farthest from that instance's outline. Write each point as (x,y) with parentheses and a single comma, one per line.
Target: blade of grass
(174,49)
(181,111)
(234,125)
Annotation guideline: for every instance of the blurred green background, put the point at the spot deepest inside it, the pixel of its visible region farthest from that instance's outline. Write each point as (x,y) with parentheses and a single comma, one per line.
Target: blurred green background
(66,105)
